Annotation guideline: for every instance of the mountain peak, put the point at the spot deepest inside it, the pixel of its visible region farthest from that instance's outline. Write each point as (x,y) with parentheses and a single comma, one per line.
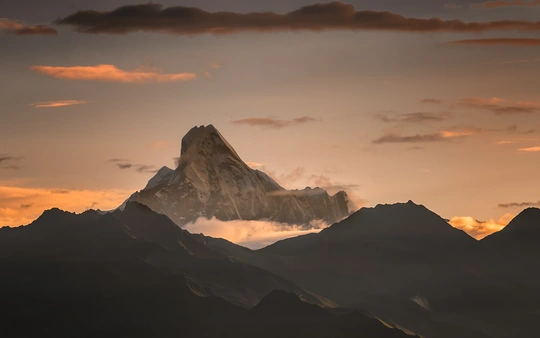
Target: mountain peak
(528,219)
(205,142)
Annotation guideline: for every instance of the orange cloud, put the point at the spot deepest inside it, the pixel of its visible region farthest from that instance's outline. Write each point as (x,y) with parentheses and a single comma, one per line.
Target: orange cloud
(56,104)
(443,135)
(18,28)
(478,229)
(530,149)
(501,106)
(20,206)
(498,41)
(509,3)
(273,122)
(111,73)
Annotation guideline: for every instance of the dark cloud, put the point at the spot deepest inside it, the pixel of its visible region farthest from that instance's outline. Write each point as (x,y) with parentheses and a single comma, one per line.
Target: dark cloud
(92,206)
(6,162)
(273,122)
(412,117)
(124,164)
(519,205)
(60,191)
(431,101)
(498,41)
(19,28)
(506,3)
(418,138)
(26,206)
(180,20)
(501,106)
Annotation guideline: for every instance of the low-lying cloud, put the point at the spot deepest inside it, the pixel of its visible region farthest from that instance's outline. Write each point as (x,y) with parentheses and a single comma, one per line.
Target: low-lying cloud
(480,229)
(273,122)
(57,104)
(335,15)
(111,73)
(18,28)
(251,234)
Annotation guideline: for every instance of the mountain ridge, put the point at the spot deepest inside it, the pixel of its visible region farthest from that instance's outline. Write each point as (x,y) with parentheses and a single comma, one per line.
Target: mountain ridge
(211,180)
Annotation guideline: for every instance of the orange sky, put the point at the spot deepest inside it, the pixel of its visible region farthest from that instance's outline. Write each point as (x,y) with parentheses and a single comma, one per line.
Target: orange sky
(448,119)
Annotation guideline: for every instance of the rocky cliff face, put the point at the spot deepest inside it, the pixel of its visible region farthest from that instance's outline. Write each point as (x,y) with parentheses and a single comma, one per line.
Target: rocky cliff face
(212,181)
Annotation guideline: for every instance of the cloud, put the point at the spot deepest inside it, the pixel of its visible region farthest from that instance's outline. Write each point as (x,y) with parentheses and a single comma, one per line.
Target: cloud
(19,28)
(500,106)
(417,138)
(7,160)
(335,15)
(56,104)
(273,122)
(22,205)
(110,73)
(519,205)
(124,164)
(479,229)
(452,6)
(498,41)
(504,3)
(252,234)
(441,136)
(215,65)
(530,149)
(431,101)
(412,117)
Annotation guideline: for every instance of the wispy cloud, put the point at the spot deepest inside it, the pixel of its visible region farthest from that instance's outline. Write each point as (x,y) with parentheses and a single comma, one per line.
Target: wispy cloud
(110,73)
(431,101)
(441,136)
(274,122)
(335,15)
(6,162)
(504,3)
(19,28)
(498,41)
(412,117)
(530,149)
(501,106)
(480,229)
(56,104)
(519,205)
(124,164)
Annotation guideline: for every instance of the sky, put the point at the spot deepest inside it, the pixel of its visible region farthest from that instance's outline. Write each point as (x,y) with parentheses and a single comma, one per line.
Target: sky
(431,101)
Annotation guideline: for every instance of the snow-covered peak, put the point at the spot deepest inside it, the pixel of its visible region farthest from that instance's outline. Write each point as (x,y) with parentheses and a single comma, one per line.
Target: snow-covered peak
(160,177)
(204,142)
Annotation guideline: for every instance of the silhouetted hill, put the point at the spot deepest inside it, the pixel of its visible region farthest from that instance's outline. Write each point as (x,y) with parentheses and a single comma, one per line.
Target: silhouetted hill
(402,263)
(134,273)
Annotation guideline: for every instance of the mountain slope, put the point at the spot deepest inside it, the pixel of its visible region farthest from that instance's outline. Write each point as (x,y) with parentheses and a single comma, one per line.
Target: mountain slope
(134,273)
(212,181)
(402,263)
